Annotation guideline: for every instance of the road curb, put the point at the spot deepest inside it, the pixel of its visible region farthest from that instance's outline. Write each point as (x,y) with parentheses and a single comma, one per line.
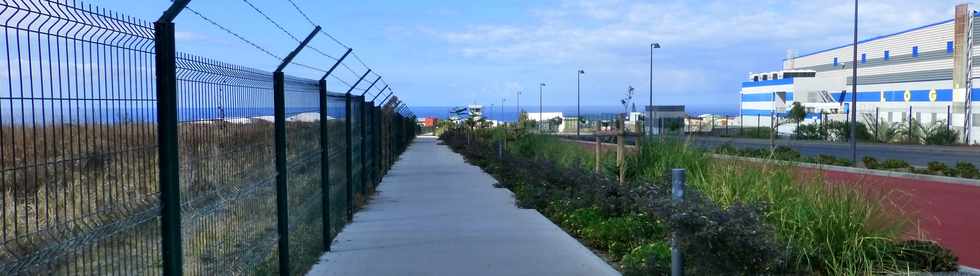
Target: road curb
(907,175)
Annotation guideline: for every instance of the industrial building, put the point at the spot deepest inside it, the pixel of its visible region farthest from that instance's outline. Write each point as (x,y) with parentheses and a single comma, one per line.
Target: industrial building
(924,74)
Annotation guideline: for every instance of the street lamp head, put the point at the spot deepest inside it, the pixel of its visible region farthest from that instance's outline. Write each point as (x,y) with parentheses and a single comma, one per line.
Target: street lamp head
(543,85)
(581,72)
(655,45)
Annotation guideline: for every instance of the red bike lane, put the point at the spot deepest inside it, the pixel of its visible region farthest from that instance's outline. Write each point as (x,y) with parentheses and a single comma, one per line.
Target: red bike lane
(947,213)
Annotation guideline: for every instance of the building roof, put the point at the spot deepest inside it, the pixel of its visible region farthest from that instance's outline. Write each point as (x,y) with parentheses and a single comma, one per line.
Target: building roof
(876,38)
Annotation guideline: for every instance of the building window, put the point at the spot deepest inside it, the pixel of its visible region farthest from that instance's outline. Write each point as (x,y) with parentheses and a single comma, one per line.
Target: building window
(755,78)
(835,62)
(888,55)
(864,58)
(949,47)
(915,51)
(765,77)
(775,77)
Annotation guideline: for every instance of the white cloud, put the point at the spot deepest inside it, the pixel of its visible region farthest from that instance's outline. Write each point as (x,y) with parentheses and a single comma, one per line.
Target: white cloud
(584,29)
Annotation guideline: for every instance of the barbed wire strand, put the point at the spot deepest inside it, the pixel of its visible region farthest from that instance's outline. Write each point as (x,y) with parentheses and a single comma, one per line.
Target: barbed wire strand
(302,13)
(236,35)
(283,29)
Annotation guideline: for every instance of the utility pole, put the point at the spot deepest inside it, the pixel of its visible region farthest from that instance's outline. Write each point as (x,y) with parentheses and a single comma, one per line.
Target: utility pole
(854,81)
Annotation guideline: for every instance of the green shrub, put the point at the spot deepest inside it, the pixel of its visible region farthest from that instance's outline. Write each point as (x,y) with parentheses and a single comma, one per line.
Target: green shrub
(927,256)
(810,132)
(785,153)
(894,164)
(648,259)
(871,163)
(939,168)
(938,134)
(967,170)
(831,160)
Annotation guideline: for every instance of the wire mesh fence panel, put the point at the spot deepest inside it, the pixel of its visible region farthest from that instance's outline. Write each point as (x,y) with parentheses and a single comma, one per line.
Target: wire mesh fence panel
(226,170)
(304,161)
(79,153)
(337,151)
(357,168)
(368,147)
(78,184)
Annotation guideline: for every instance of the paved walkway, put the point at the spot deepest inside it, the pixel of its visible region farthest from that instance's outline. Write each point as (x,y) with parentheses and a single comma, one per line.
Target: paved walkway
(437,215)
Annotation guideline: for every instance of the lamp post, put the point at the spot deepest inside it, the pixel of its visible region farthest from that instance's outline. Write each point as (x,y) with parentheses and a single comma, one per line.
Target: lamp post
(541,105)
(578,111)
(650,111)
(502,108)
(854,81)
(518,104)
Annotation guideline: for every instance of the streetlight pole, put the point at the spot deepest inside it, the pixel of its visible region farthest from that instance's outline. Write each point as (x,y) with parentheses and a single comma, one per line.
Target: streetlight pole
(650,111)
(518,104)
(578,111)
(503,108)
(541,105)
(854,81)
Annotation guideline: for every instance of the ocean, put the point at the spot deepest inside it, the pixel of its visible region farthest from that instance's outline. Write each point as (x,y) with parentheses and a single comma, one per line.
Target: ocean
(510,114)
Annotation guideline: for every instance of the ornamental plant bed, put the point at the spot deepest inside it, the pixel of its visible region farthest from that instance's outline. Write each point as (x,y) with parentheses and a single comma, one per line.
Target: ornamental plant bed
(736,218)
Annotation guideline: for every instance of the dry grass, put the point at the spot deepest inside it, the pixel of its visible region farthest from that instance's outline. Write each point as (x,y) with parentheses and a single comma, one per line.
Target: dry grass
(64,186)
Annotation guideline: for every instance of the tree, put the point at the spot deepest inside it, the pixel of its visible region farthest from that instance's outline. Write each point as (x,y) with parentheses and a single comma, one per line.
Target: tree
(797,113)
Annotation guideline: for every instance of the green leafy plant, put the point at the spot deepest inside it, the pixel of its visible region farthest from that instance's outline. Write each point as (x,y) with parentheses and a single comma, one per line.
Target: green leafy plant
(927,256)
(939,168)
(938,133)
(967,170)
(871,162)
(648,259)
(894,164)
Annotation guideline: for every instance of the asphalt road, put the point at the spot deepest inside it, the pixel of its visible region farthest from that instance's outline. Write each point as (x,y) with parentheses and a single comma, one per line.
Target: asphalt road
(917,155)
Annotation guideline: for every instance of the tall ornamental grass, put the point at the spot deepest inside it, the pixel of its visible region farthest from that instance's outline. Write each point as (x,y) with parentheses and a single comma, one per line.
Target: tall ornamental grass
(825,228)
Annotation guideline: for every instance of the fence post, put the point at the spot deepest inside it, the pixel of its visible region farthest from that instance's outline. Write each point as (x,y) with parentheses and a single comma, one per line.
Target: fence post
(677,189)
(167,138)
(282,202)
(325,167)
(363,130)
(325,156)
(350,151)
(349,155)
(282,184)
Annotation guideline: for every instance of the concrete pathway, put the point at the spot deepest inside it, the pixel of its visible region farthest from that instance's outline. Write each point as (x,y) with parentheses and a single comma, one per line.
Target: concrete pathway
(437,215)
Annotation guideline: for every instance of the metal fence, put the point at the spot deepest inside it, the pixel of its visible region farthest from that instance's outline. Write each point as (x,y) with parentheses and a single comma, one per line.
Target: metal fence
(96,140)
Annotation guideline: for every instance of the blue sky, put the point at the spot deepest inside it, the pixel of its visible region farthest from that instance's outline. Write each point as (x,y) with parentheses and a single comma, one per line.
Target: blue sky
(446,53)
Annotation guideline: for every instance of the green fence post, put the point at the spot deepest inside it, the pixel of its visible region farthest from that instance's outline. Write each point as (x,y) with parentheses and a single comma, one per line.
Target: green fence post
(282,184)
(282,202)
(325,166)
(171,252)
(350,157)
(363,151)
(350,151)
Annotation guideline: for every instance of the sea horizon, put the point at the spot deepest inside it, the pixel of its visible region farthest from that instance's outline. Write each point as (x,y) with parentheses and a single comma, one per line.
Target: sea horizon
(510,113)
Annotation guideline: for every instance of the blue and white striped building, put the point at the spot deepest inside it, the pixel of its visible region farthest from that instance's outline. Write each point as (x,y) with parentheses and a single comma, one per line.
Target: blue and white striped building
(925,73)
